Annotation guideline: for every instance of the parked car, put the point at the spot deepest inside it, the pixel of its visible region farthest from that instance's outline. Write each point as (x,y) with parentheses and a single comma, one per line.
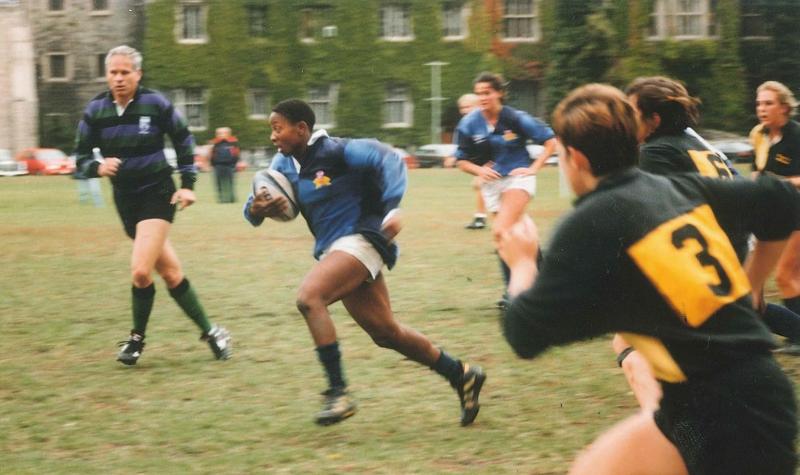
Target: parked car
(410,160)
(9,166)
(46,161)
(535,150)
(433,154)
(737,150)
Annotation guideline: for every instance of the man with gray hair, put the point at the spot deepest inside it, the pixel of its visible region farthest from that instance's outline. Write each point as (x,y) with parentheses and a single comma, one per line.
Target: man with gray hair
(127,124)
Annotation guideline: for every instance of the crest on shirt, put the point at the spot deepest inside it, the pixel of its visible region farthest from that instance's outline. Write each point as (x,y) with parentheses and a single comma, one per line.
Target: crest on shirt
(144,125)
(509,135)
(321,180)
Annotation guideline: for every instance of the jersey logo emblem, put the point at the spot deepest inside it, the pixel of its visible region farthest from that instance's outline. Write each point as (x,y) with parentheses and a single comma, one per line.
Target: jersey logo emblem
(781,158)
(478,138)
(509,135)
(321,180)
(144,125)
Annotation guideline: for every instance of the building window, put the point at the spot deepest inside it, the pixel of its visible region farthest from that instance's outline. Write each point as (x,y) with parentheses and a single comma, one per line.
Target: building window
(313,21)
(683,19)
(520,20)
(57,67)
(258,103)
(192,104)
(55,5)
(99,5)
(396,22)
(397,107)
(192,23)
(454,20)
(754,25)
(100,66)
(322,100)
(257,20)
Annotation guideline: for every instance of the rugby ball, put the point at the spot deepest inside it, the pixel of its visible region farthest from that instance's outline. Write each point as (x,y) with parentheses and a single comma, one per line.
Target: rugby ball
(277,184)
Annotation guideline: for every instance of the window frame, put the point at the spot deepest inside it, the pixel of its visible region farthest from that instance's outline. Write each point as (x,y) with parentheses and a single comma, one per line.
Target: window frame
(181,24)
(312,19)
(665,18)
(178,97)
(406,24)
(329,101)
(534,16)
(403,98)
(464,11)
(98,11)
(47,67)
(50,11)
(262,9)
(250,99)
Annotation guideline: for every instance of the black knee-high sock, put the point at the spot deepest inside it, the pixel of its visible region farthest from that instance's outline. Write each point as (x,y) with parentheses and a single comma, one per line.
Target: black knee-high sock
(793,304)
(331,359)
(449,367)
(142,303)
(783,321)
(187,300)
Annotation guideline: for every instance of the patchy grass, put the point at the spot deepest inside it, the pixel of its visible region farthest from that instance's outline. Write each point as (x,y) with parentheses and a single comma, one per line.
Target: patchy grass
(66,405)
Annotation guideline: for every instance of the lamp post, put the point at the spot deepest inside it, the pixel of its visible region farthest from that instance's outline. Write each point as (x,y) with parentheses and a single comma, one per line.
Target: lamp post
(436,100)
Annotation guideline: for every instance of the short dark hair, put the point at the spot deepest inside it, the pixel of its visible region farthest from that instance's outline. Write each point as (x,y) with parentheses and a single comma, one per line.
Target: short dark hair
(598,120)
(296,111)
(669,99)
(496,81)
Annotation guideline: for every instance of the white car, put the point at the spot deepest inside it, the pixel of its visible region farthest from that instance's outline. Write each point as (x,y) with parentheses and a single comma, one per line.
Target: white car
(9,166)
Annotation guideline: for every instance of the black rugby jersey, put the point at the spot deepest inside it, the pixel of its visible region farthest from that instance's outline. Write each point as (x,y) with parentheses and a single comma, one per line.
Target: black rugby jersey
(782,158)
(683,153)
(648,256)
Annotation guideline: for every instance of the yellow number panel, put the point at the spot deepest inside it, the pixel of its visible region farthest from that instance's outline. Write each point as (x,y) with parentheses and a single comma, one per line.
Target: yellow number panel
(710,164)
(688,250)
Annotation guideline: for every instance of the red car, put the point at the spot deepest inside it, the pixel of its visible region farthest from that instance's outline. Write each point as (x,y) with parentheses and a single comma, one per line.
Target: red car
(46,161)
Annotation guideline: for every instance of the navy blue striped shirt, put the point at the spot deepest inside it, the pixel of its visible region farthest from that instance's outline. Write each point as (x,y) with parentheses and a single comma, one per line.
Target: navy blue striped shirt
(137,138)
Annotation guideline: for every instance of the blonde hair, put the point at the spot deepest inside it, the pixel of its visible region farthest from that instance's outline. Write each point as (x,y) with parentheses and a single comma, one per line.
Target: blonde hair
(784,94)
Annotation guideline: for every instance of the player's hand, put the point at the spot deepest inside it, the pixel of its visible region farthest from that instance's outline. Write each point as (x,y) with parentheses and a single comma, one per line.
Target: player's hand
(520,243)
(183,197)
(523,171)
(109,166)
(265,205)
(392,226)
(487,173)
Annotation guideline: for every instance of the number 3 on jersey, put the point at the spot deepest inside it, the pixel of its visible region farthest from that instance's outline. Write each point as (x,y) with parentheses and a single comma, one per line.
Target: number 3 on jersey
(692,264)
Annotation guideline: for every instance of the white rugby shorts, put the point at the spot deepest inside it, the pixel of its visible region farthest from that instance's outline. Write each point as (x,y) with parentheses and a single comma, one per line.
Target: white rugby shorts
(492,190)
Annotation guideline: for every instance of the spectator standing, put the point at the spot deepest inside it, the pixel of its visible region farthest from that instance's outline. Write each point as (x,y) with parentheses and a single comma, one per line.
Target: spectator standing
(224,157)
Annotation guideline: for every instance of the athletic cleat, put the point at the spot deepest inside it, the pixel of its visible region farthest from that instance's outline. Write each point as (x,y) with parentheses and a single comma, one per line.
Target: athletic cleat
(468,390)
(219,339)
(338,406)
(504,302)
(478,222)
(788,348)
(131,349)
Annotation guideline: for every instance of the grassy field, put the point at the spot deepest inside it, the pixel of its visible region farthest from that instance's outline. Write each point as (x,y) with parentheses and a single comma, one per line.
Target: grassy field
(66,405)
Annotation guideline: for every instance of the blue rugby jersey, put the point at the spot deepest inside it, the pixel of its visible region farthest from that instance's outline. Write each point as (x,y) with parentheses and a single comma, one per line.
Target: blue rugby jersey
(343,187)
(137,138)
(505,145)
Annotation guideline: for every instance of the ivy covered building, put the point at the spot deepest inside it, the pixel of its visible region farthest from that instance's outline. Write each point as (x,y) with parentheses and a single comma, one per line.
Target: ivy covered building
(369,67)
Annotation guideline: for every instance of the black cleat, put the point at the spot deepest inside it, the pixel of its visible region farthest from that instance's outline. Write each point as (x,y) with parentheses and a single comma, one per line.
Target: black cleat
(219,339)
(131,349)
(478,222)
(338,406)
(468,390)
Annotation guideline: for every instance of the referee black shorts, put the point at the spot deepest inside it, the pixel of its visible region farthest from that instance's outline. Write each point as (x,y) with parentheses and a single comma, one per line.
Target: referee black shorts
(151,203)
(740,420)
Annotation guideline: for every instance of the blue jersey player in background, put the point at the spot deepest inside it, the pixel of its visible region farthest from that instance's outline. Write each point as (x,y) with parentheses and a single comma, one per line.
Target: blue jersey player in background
(349,192)
(492,143)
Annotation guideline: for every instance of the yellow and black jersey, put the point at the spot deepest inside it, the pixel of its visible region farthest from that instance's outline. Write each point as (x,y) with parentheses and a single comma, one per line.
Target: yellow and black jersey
(648,256)
(781,158)
(683,153)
